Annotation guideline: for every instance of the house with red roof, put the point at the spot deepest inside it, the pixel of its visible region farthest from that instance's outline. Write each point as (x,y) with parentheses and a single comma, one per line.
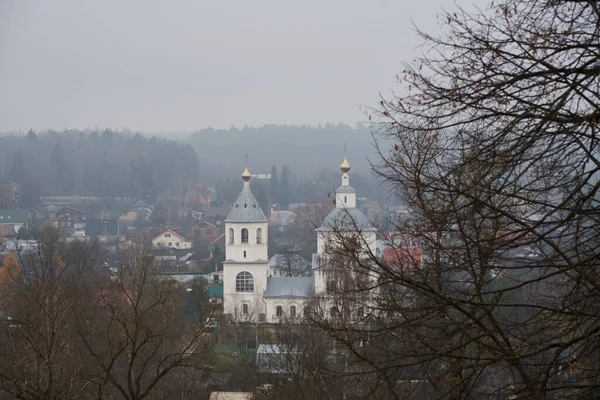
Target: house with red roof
(171,239)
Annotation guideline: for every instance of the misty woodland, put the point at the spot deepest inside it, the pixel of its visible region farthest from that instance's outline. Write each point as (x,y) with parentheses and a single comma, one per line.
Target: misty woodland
(447,247)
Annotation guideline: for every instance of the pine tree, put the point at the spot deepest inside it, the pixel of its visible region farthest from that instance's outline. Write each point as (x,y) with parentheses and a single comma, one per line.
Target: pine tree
(274,185)
(284,187)
(17,171)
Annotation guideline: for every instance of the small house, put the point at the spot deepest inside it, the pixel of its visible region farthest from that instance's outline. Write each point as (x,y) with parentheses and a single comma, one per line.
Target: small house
(171,239)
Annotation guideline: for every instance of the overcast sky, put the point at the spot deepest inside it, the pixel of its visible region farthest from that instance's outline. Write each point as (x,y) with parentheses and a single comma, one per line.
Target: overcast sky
(182,65)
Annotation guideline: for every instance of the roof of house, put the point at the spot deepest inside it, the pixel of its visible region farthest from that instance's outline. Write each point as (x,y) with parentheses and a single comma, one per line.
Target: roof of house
(403,255)
(13,216)
(346,219)
(215,291)
(172,232)
(213,212)
(68,209)
(246,209)
(231,395)
(102,227)
(289,287)
(282,218)
(140,204)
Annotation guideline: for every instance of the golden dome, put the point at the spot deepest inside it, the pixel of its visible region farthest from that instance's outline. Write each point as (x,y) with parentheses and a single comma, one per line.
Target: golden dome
(246,175)
(345,167)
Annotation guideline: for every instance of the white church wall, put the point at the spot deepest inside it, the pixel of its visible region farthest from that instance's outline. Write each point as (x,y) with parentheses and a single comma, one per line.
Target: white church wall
(286,308)
(233,298)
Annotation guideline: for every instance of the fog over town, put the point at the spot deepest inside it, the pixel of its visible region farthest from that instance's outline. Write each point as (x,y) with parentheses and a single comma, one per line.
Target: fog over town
(314,200)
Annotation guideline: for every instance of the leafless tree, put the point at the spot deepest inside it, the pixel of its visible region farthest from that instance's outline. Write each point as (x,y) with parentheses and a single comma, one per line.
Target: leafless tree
(41,359)
(137,338)
(289,262)
(70,331)
(495,155)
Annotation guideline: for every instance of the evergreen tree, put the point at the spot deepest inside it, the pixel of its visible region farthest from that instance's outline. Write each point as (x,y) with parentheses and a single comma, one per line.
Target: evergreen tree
(284,186)
(31,135)
(17,171)
(57,160)
(274,185)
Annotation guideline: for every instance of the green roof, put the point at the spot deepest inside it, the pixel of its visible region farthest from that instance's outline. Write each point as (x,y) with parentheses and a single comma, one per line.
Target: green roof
(215,291)
(13,216)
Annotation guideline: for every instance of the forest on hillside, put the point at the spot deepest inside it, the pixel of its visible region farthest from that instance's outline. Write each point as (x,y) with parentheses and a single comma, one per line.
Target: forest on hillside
(94,163)
(309,150)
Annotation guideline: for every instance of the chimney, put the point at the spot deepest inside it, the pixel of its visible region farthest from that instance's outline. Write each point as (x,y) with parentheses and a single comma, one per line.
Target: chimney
(216,267)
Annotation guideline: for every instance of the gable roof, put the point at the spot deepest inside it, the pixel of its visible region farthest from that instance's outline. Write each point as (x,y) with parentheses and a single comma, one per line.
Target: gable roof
(172,232)
(403,255)
(214,212)
(282,218)
(346,220)
(102,227)
(246,209)
(13,216)
(71,209)
(140,204)
(289,287)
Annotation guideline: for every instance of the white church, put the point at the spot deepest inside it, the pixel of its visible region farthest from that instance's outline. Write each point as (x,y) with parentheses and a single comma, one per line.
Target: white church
(249,293)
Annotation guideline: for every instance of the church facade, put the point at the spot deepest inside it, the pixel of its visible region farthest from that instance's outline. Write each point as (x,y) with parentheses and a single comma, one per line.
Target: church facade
(249,293)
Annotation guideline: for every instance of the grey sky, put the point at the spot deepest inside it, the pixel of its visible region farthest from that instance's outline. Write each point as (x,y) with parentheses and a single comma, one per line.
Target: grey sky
(181,65)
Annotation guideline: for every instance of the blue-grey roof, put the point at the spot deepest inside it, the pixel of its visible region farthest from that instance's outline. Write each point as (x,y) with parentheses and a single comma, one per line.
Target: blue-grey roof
(346,219)
(345,189)
(102,228)
(289,287)
(246,209)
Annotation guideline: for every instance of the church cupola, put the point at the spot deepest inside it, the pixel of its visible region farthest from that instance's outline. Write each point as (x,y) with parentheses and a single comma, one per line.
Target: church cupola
(345,196)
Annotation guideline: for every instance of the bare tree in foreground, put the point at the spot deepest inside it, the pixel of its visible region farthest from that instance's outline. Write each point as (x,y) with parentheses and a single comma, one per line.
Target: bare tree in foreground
(70,331)
(495,155)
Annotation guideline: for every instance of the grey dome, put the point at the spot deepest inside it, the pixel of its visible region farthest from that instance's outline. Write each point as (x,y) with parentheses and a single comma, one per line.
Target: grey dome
(346,219)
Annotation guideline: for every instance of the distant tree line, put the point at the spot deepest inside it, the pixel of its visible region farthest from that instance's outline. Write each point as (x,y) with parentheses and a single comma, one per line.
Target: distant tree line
(94,163)
(309,150)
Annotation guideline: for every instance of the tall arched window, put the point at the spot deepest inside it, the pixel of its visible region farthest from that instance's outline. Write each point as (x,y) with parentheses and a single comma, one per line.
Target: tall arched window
(245,309)
(279,311)
(230,235)
(244,235)
(259,236)
(333,312)
(244,282)
(360,313)
(293,312)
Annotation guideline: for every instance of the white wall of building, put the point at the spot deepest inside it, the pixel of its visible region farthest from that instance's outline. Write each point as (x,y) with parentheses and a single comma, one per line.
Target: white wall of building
(286,305)
(171,240)
(254,250)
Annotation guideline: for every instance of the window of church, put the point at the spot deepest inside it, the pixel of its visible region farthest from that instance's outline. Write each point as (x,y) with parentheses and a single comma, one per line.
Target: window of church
(279,311)
(332,286)
(230,235)
(345,199)
(244,282)
(259,236)
(244,253)
(245,309)
(293,312)
(360,313)
(333,312)
(244,235)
